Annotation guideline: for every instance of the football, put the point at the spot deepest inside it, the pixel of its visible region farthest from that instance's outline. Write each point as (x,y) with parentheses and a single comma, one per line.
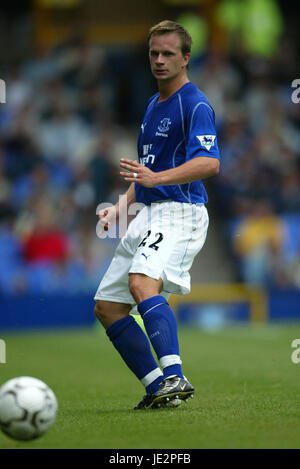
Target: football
(28,408)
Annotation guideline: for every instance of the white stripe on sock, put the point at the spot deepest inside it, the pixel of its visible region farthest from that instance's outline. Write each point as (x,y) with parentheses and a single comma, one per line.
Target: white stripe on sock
(150,377)
(159,304)
(168,360)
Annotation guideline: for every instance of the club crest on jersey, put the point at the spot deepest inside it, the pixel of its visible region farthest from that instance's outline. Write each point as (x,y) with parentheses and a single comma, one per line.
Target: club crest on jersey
(163,127)
(207,141)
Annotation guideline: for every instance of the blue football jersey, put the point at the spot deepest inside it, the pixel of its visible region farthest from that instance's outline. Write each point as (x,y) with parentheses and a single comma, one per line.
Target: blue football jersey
(173,132)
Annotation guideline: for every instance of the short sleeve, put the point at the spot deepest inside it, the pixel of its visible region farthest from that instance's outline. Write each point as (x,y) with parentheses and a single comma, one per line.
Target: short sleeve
(202,136)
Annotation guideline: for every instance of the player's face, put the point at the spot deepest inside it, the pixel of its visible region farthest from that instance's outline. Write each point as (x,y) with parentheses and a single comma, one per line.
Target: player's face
(166,59)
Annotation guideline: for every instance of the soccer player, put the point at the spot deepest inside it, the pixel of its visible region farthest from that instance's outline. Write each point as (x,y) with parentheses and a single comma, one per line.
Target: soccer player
(177,148)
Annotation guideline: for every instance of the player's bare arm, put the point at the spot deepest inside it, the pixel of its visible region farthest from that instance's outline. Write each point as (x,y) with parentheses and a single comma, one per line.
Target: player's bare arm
(198,168)
(110,215)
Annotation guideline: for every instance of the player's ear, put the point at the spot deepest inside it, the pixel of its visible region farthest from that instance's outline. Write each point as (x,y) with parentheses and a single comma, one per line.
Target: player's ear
(186,59)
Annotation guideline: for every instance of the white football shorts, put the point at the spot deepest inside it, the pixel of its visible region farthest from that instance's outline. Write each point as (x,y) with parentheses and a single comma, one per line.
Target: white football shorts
(161,242)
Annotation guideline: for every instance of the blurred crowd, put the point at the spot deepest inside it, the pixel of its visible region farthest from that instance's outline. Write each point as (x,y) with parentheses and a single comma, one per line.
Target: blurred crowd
(60,144)
(257,193)
(71,113)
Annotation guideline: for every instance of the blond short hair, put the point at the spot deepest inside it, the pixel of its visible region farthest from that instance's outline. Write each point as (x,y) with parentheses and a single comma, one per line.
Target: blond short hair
(167,27)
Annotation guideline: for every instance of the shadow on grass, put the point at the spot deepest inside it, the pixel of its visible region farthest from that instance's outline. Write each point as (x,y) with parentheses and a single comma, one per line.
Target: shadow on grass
(114,411)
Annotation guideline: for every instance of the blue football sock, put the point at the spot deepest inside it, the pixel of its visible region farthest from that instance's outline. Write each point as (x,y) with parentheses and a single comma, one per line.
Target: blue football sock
(132,344)
(161,326)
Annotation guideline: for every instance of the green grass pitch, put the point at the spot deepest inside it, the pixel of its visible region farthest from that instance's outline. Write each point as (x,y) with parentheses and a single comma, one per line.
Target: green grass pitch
(247,391)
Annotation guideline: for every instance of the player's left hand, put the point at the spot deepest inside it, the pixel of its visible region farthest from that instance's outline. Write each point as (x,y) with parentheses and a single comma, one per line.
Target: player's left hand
(138,173)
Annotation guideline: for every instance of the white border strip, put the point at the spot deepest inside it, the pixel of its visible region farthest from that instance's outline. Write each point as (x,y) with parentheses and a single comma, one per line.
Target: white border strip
(168,360)
(152,376)
(150,309)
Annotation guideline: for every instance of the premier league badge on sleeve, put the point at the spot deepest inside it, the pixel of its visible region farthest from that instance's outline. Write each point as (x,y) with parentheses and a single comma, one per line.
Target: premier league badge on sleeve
(207,141)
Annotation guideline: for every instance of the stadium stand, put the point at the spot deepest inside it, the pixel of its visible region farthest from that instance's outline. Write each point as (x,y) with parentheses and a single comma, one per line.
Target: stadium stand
(67,121)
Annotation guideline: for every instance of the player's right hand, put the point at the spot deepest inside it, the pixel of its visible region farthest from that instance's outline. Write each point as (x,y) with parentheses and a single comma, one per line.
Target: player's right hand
(107,217)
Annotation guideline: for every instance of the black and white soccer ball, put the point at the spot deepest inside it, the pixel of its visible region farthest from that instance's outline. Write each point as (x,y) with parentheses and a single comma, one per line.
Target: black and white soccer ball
(28,408)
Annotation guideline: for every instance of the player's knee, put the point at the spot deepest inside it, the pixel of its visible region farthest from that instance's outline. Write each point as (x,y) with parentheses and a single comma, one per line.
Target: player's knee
(108,312)
(136,287)
(141,287)
(101,311)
